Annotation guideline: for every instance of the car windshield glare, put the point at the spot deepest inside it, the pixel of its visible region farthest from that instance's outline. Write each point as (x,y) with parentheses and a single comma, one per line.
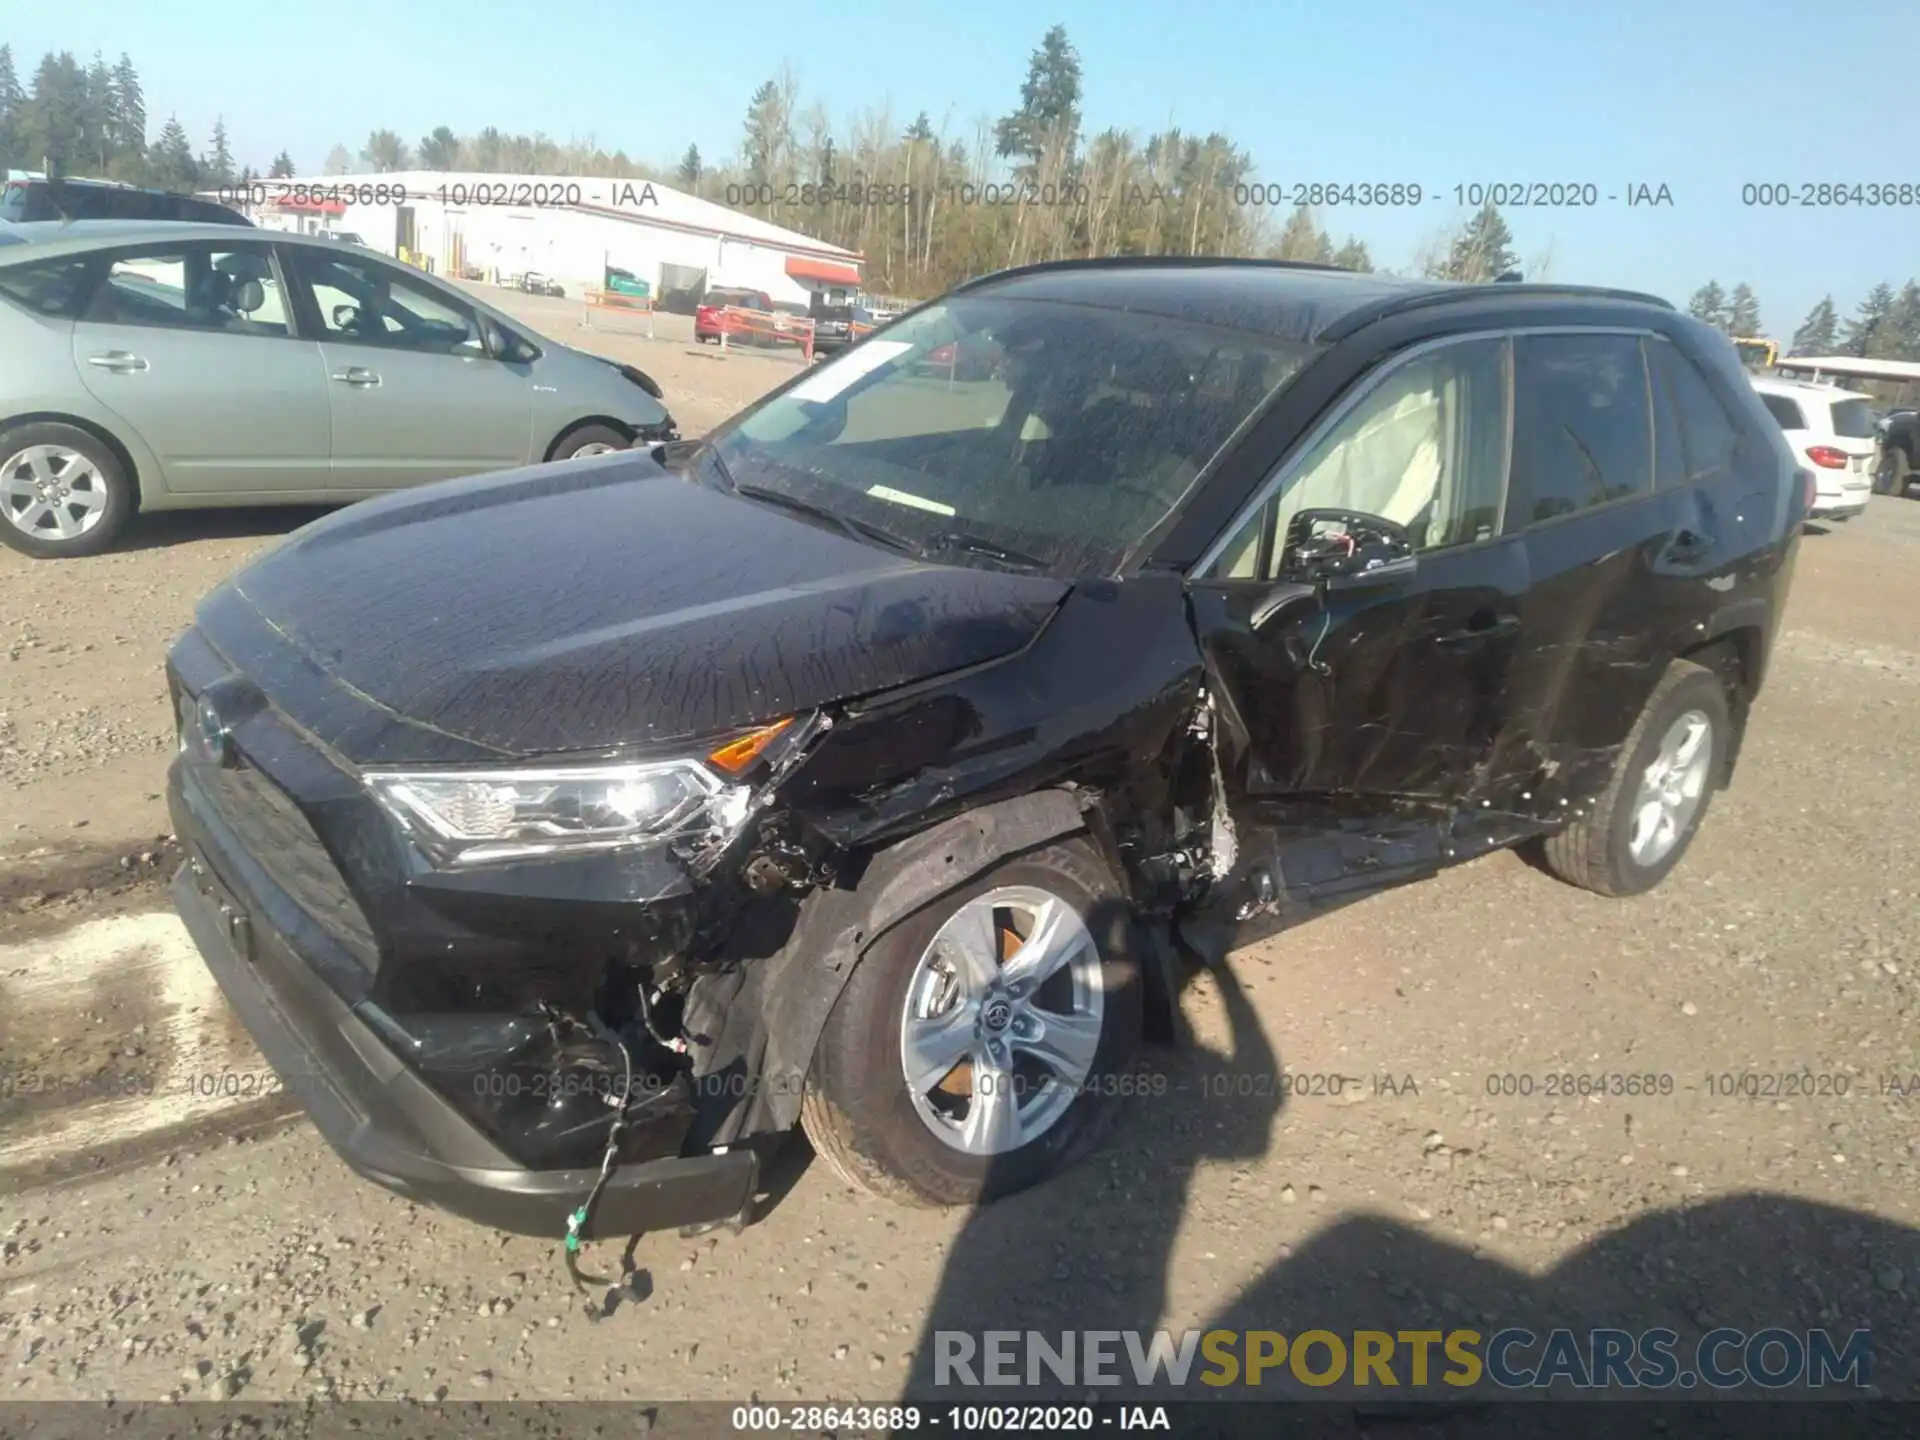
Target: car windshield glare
(1059,431)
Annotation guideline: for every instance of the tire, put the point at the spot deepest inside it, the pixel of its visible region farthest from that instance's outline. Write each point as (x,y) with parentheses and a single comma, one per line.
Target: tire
(1892,476)
(591,440)
(857,1107)
(1597,851)
(48,453)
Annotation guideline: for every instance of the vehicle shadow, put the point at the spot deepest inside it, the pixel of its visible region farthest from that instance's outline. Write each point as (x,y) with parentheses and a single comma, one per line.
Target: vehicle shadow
(161,529)
(1096,1249)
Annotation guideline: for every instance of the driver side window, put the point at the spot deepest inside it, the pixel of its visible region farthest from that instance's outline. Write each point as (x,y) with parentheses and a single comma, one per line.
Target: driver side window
(363,302)
(1424,447)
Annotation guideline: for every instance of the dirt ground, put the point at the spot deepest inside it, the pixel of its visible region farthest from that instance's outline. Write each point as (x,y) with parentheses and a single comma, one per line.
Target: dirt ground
(172,1231)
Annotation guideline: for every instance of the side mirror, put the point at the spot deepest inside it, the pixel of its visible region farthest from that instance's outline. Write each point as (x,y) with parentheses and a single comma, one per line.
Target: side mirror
(345,316)
(1346,550)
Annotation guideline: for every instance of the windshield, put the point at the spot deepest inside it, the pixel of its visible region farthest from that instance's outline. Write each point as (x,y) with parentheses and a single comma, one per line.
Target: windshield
(1057,432)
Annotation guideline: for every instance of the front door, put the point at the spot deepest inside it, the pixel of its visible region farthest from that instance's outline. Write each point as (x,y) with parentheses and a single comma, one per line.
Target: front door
(1361,719)
(193,346)
(414,394)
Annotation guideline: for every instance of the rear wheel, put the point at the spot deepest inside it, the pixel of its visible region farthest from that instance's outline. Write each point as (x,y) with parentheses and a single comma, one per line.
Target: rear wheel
(1665,775)
(1890,477)
(62,492)
(981,1046)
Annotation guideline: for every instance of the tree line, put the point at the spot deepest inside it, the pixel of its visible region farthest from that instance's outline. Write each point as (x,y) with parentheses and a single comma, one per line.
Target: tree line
(1885,326)
(91,120)
(1029,186)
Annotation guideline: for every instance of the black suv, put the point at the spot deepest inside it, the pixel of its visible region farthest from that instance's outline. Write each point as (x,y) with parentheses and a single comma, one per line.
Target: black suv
(865,765)
(23,201)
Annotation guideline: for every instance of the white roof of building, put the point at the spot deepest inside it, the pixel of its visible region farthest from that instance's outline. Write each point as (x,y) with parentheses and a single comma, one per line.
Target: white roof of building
(647,201)
(1854,366)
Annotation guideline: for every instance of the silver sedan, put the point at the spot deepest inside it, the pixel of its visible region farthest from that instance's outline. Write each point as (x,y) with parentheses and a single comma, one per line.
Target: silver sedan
(159,366)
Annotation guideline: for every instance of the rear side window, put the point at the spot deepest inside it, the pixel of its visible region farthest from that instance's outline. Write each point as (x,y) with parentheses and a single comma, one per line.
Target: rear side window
(1853,419)
(1708,438)
(53,287)
(1582,425)
(1786,411)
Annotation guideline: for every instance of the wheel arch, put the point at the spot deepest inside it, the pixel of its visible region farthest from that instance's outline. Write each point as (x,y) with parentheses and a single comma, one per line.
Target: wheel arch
(92,427)
(768,1017)
(1737,653)
(560,437)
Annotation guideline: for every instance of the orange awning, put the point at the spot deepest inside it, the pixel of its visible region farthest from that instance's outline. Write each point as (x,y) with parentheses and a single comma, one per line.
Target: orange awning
(824,271)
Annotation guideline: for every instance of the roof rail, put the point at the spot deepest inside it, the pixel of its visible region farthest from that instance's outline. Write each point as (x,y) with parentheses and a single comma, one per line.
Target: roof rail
(1454,292)
(1144,262)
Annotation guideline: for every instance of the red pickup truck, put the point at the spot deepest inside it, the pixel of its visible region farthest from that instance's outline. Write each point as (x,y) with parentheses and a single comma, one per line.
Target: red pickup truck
(710,320)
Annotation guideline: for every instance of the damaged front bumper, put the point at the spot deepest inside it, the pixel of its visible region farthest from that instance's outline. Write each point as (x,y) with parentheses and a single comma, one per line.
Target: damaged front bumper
(383,1119)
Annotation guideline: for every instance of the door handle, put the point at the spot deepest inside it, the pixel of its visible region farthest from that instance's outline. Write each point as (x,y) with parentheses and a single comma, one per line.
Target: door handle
(118,361)
(1484,626)
(357,375)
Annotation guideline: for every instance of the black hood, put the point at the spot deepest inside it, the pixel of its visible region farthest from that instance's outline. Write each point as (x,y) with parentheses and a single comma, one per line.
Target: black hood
(597,604)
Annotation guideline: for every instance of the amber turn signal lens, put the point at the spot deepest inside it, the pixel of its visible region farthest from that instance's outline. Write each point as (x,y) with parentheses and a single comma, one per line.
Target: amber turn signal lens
(736,755)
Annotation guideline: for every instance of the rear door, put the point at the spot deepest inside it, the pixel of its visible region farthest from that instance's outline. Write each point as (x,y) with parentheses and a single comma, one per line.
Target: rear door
(193,346)
(414,396)
(1600,541)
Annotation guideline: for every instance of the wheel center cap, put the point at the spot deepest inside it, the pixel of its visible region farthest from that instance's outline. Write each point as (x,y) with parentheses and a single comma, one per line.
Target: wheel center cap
(996,1015)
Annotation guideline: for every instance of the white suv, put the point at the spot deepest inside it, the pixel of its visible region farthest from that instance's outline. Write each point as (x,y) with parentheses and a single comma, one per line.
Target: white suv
(1831,433)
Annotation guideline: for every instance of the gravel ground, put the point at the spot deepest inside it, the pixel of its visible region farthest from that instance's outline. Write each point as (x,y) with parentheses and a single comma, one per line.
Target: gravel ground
(1443,1185)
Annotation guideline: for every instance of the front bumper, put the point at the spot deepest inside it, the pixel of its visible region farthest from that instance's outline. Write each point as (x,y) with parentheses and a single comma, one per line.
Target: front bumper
(386,1122)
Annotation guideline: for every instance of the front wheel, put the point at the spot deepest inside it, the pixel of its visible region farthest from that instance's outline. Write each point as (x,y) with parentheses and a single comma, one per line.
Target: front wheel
(1635,833)
(589,440)
(981,1045)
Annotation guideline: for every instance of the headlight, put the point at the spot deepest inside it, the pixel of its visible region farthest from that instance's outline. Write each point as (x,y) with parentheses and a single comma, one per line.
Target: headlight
(467,817)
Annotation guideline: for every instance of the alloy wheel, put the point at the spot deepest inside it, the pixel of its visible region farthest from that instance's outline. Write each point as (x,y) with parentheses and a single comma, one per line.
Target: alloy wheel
(1671,788)
(1003,1020)
(52,493)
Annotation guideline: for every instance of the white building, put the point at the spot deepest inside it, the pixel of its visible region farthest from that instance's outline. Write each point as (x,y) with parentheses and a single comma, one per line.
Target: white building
(570,227)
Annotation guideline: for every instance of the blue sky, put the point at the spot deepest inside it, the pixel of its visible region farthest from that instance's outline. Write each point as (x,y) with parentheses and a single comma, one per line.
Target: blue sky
(1617,93)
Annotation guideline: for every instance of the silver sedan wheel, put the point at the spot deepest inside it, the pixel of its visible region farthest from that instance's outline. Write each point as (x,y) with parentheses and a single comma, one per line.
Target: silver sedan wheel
(593,447)
(1002,1020)
(1671,788)
(52,493)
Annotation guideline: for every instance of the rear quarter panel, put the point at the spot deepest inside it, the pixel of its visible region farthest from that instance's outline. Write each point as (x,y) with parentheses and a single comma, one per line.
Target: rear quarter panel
(38,381)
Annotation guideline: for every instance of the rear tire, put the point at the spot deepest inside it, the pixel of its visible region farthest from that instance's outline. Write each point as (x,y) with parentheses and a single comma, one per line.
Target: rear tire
(858,1108)
(63,493)
(1641,825)
(1891,476)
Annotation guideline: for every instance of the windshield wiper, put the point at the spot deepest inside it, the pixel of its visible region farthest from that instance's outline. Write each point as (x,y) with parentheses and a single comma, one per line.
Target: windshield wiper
(979,545)
(858,529)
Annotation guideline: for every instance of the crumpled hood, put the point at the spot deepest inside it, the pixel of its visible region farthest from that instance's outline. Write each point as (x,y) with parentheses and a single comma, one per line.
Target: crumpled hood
(602,603)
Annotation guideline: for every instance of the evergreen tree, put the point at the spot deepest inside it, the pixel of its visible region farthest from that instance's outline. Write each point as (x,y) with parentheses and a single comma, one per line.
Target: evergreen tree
(282,167)
(1709,303)
(216,168)
(690,171)
(1354,256)
(97,114)
(440,150)
(129,111)
(1049,115)
(1862,335)
(1482,251)
(1743,312)
(56,115)
(1301,238)
(13,114)
(1818,333)
(1900,331)
(172,162)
